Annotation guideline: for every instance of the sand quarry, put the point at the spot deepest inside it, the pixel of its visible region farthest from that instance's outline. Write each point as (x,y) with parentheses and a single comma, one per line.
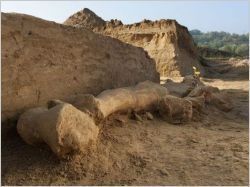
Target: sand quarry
(145,129)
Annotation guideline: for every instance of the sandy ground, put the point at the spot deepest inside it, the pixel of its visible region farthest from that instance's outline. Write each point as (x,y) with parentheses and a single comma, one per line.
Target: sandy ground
(212,150)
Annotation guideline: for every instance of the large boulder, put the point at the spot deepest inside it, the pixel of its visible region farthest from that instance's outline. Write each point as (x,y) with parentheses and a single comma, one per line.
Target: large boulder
(63,127)
(212,95)
(144,96)
(175,110)
(199,94)
(43,60)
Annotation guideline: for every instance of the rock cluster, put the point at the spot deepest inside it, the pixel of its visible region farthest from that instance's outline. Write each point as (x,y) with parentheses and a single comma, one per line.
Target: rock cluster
(69,128)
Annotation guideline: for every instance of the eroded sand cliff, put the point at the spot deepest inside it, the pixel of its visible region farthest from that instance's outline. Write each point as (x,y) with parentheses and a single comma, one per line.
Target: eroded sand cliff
(166,41)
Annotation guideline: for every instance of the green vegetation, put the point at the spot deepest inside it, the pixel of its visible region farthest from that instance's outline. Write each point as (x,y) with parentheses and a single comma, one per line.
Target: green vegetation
(236,44)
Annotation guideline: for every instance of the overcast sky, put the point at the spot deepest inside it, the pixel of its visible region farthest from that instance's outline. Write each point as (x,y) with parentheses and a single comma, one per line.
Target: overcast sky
(230,16)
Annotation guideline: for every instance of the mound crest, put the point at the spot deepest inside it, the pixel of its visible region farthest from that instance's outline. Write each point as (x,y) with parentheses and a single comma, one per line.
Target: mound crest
(166,41)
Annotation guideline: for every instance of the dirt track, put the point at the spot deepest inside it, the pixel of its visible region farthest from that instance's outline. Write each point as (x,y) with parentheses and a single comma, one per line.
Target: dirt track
(213,151)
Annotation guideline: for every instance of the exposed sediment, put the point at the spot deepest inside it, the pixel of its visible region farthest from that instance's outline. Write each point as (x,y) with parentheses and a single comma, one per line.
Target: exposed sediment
(166,41)
(42,60)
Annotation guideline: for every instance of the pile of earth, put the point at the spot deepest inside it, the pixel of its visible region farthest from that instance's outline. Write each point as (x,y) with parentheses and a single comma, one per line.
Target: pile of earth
(166,41)
(232,68)
(43,60)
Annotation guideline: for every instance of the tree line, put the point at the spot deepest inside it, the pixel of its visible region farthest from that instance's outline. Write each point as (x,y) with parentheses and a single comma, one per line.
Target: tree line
(236,44)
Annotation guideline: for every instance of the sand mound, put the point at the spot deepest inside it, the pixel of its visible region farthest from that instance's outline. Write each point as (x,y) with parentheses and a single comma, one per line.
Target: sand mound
(166,41)
(42,60)
(86,17)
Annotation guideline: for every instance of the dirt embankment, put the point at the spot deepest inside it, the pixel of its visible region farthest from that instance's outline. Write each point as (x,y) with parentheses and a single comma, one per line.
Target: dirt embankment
(166,41)
(42,60)
(228,69)
(207,52)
